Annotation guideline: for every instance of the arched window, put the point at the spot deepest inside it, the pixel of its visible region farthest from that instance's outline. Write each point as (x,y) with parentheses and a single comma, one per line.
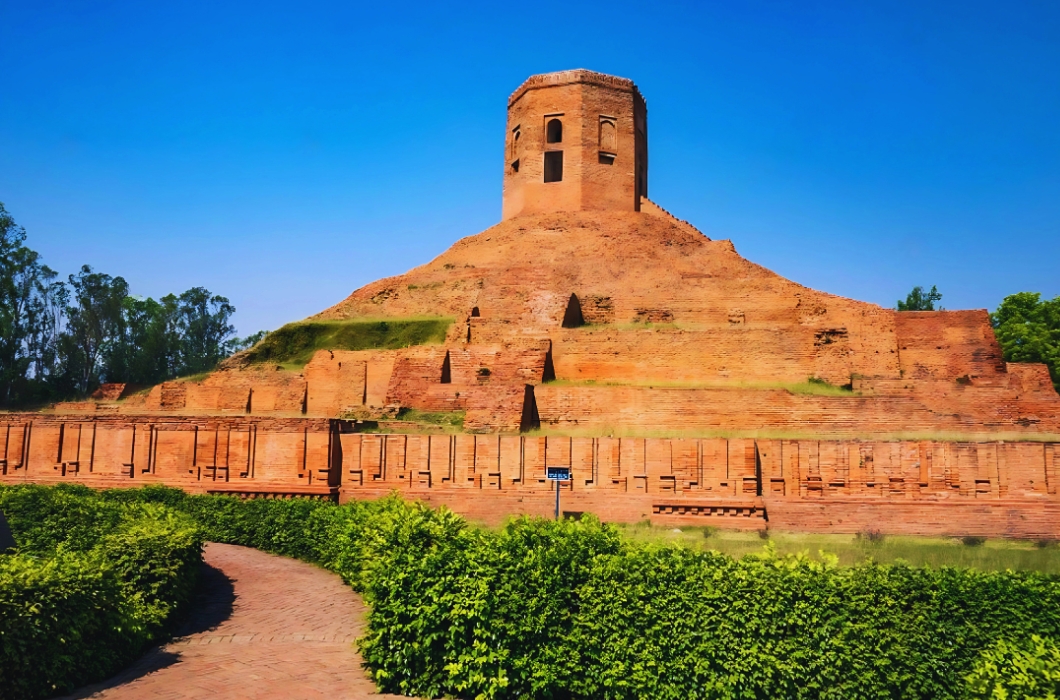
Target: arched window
(513,146)
(554,131)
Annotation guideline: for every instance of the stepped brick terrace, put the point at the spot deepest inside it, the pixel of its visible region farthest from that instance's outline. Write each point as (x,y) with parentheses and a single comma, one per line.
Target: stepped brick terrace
(591,328)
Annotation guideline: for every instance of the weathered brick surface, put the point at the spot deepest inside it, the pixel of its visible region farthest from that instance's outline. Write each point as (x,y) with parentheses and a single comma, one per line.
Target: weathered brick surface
(950,408)
(988,487)
(928,487)
(263,627)
(671,308)
(258,456)
(603,146)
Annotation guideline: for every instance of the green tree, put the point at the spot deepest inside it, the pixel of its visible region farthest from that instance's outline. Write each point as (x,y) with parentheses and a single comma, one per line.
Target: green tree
(203,321)
(58,340)
(94,322)
(28,319)
(240,344)
(146,349)
(1028,330)
(919,300)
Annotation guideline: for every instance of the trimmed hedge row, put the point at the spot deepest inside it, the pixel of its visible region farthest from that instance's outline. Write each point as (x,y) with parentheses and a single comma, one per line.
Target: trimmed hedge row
(568,609)
(1027,670)
(91,584)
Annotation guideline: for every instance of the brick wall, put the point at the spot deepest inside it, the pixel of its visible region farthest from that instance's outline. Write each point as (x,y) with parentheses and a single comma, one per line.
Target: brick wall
(941,408)
(200,454)
(937,488)
(925,487)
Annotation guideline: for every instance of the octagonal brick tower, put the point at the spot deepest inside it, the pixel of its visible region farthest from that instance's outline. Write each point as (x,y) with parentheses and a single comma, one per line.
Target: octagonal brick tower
(576,140)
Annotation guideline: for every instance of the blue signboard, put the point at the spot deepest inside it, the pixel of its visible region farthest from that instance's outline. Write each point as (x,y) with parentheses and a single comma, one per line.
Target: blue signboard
(557,473)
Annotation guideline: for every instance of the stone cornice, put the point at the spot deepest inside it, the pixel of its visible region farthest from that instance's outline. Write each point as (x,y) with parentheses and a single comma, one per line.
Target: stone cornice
(570,77)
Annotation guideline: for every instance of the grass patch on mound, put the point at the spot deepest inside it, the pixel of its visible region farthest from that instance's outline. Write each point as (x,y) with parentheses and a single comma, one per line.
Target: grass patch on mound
(447,419)
(293,345)
(409,421)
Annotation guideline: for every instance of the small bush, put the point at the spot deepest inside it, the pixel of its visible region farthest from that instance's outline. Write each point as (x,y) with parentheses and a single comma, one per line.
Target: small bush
(871,536)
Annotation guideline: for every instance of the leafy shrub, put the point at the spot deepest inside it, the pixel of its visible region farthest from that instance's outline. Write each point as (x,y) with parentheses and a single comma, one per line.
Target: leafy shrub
(872,536)
(1010,671)
(91,584)
(568,609)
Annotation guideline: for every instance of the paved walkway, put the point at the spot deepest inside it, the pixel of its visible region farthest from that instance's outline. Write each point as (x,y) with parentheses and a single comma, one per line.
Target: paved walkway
(263,627)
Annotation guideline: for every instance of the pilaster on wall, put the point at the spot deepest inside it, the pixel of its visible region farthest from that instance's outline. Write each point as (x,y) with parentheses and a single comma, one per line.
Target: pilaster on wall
(212,455)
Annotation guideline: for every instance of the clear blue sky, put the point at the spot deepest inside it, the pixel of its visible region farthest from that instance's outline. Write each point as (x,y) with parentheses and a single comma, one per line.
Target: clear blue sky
(284,154)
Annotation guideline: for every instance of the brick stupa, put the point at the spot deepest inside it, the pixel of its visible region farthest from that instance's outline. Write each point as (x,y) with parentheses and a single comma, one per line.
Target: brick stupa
(678,378)
(647,325)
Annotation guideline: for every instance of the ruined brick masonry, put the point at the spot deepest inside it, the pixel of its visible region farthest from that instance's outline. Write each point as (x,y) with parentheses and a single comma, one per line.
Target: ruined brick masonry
(632,341)
(925,487)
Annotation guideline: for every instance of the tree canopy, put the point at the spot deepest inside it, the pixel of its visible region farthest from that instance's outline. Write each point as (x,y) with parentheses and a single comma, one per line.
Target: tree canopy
(1028,330)
(62,339)
(919,300)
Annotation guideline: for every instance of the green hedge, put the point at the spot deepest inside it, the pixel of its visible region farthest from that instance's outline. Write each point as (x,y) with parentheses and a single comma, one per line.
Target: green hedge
(1029,670)
(91,584)
(542,609)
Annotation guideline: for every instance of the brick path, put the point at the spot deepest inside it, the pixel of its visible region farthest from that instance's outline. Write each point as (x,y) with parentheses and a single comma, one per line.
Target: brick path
(264,627)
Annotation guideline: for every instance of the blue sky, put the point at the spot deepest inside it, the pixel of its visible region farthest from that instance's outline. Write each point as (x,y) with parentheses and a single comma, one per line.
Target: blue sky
(284,154)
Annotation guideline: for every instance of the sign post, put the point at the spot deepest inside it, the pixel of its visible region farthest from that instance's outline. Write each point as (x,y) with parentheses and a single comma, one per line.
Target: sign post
(557,474)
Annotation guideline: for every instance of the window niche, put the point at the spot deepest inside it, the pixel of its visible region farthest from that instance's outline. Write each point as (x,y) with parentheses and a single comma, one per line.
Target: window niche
(572,315)
(530,418)
(513,144)
(447,370)
(553,166)
(554,131)
(608,135)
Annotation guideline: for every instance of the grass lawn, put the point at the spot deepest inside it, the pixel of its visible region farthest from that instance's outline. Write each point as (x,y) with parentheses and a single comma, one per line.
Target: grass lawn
(991,555)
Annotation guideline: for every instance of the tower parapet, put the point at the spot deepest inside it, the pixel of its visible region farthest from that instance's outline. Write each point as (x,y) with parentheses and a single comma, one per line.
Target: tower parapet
(576,140)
